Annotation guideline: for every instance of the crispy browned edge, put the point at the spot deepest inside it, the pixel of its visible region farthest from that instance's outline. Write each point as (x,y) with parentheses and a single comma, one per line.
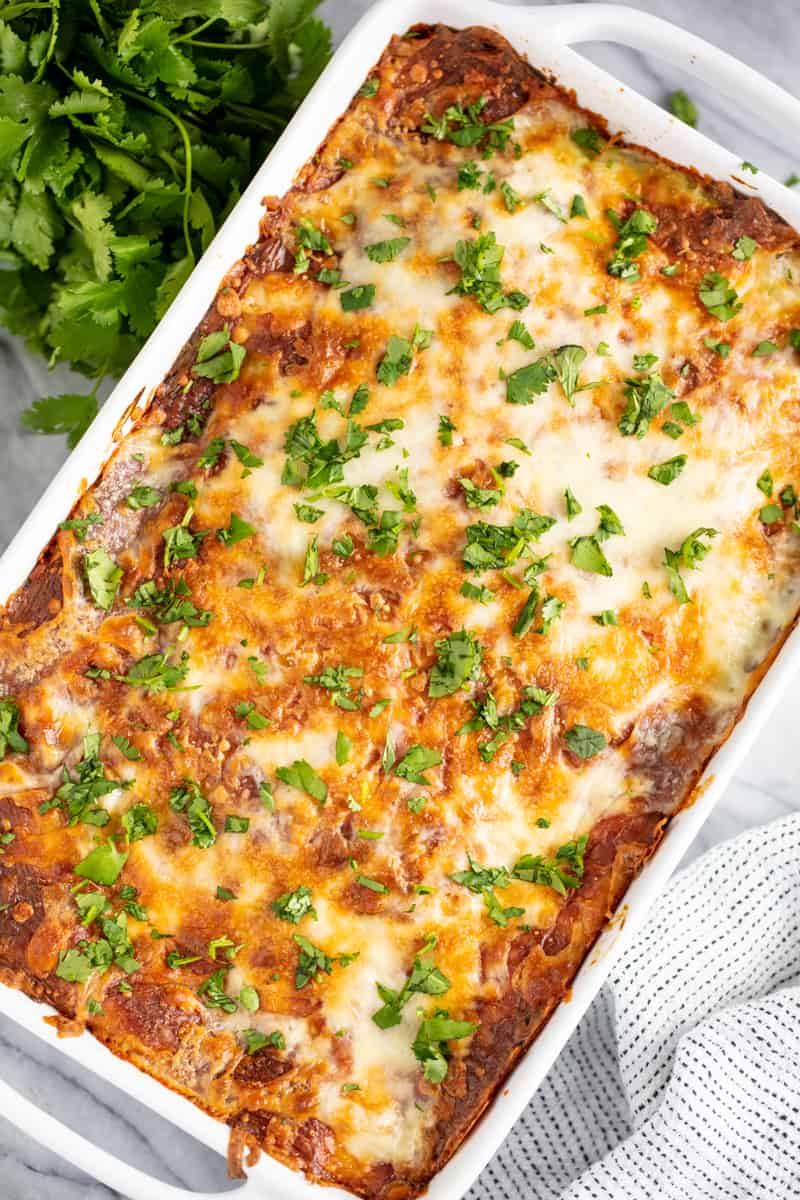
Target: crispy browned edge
(426,72)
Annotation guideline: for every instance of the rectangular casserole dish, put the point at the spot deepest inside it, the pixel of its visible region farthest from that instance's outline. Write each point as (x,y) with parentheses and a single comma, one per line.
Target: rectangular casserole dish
(541,35)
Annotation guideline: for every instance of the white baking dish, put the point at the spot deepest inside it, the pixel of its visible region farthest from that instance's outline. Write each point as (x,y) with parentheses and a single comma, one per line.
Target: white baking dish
(543,35)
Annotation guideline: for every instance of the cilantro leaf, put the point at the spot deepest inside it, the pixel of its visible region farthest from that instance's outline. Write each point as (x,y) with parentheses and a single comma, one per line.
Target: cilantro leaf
(646,396)
(138,132)
(667,472)
(388,251)
(139,821)
(479,261)
(632,237)
(464,127)
(692,551)
(187,798)
(589,140)
(716,293)
(425,979)
(587,555)
(10,737)
(585,741)
(415,762)
(683,107)
(68,413)
(430,1043)
(301,775)
(102,576)
(103,864)
(459,662)
(293,906)
(219,358)
(360,296)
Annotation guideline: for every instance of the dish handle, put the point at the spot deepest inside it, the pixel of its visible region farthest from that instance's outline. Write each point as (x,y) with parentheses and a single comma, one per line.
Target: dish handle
(571,23)
(98,1163)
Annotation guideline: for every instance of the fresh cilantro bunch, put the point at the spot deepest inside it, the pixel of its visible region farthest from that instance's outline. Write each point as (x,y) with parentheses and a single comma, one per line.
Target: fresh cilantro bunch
(127,133)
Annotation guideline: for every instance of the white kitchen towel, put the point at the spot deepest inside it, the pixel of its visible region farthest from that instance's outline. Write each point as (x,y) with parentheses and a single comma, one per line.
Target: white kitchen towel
(682,1082)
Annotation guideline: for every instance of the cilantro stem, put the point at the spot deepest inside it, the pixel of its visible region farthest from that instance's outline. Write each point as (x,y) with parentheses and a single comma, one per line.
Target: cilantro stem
(19,10)
(102,23)
(256,115)
(51,45)
(227,45)
(187,153)
(185,37)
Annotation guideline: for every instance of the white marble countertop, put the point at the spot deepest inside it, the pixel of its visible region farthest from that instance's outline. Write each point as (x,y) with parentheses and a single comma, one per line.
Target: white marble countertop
(765,36)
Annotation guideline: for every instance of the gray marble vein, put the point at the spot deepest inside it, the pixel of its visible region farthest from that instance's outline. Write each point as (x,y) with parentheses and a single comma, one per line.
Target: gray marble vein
(765,36)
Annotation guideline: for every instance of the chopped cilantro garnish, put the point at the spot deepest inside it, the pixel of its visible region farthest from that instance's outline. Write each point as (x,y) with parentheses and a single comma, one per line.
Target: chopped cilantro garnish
(301,775)
(494,547)
(358,297)
(589,140)
(246,457)
(478,497)
(632,237)
(293,906)
(479,261)
(81,787)
(415,762)
(723,349)
(667,472)
(170,603)
(399,354)
(386,251)
(744,248)
(765,482)
(127,748)
(716,293)
(446,430)
(585,741)
(236,530)
(308,237)
(337,681)
(534,379)
(691,552)
(211,455)
(139,821)
(504,726)
(547,202)
(219,358)
(103,577)
(464,127)
(343,748)
(572,505)
(646,396)
(459,663)
(142,496)
(80,525)
(425,979)
(430,1043)
(102,865)
(180,542)
(311,960)
(10,737)
(511,199)
(187,798)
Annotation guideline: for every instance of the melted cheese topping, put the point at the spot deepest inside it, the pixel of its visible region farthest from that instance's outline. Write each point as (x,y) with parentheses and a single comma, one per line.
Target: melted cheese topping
(659,658)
